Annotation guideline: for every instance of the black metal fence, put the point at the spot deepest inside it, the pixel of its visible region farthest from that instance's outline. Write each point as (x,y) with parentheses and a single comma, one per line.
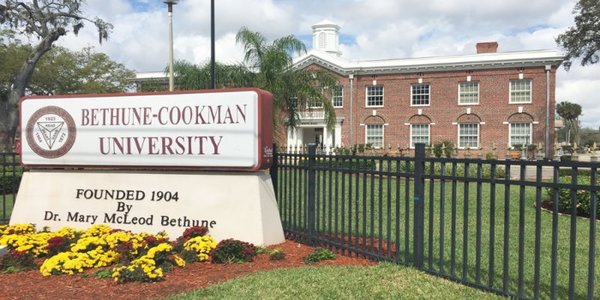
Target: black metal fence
(525,229)
(10,177)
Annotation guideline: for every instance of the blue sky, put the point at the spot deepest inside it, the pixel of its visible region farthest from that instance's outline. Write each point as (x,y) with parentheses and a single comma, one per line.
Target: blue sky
(370,29)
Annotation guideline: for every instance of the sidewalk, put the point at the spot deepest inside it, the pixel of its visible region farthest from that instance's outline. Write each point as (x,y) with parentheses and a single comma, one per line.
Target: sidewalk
(547,172)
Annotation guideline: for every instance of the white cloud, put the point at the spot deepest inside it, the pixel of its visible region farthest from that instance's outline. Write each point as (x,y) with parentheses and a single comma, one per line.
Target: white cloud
(581,85)
(372,29)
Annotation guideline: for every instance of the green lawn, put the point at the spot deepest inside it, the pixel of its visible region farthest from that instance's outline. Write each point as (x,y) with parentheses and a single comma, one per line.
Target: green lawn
(454,232)
(482,249)
(384,281)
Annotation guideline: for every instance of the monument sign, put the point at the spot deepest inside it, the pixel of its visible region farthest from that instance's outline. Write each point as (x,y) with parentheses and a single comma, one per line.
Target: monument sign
(151,162)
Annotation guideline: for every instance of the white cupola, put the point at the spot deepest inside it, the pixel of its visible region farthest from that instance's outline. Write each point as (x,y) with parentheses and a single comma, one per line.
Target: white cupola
(326,37)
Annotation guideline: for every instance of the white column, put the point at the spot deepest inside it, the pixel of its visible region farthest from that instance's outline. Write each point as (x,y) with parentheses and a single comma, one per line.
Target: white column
(299,141)
(338,135)
(290,137)
(326,138)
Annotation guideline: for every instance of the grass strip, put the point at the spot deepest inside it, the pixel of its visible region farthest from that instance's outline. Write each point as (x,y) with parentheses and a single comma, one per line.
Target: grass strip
(383,281)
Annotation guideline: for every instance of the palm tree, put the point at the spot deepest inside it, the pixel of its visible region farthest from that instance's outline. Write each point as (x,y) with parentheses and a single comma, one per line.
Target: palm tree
(570,112)
(190,76)
(291,88)
(268,67)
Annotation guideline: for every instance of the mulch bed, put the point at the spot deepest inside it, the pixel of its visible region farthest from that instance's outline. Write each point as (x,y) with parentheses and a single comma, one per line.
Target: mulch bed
(32,285)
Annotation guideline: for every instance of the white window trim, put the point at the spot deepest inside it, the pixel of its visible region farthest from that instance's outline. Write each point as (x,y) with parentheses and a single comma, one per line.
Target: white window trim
(313,107)
(342,96)
(367,96)
(411,95)
(478,93)
(478,136)
(510,91)
(411,144)
(530,132)
(382,135)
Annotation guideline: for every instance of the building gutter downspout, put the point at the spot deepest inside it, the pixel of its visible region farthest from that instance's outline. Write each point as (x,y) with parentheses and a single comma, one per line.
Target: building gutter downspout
(351,78)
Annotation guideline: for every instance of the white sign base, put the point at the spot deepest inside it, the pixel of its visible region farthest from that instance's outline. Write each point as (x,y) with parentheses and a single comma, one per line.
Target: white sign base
(232,205)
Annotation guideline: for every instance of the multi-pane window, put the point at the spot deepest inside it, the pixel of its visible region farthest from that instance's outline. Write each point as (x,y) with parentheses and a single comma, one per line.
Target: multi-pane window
(314,103)
(468,92)
(337,97)
(520,134)
(419,133)
(420,94)
(374,95)
(468,135)
(374,135)
(520,91)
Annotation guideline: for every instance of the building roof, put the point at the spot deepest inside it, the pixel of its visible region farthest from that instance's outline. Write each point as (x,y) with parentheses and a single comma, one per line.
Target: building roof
(326,24)
(142,76)
(431,64)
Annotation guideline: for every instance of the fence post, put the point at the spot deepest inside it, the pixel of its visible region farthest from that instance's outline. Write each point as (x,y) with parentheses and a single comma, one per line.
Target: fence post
(310,193)
(419,210)
(273,170)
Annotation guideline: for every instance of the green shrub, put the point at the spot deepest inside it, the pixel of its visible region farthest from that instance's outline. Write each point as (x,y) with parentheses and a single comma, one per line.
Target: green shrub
(277,254)
(584,197)
(17,261)
(566,157)
(486,170)
(446,151)
(580,172)
(135,274)
(103,273)
(263,250)
(360,148)
(319,254)
(359,164)
(491,155)
(189,256)
(233,251)
(9,183)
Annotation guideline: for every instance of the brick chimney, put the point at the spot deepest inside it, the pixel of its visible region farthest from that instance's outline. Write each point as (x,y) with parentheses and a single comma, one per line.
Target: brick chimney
(487,47)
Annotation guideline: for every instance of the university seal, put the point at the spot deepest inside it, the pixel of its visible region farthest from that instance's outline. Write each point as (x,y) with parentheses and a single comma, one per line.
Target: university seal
(51,132)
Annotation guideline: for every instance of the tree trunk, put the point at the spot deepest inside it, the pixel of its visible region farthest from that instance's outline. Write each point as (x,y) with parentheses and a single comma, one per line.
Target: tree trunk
(9,120)
(8,124)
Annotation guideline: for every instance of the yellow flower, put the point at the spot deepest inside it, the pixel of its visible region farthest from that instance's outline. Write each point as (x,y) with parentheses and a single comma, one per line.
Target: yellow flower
(64,263)
(180,262)
(202,245)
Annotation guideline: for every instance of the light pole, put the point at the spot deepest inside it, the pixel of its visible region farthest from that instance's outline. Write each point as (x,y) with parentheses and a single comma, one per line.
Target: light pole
(213,79)
(170,4)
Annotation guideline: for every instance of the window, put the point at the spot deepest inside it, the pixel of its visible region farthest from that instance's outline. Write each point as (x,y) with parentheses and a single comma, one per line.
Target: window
(468,92)
(374,135)
(375,95)
(337,96)
(520,91)
(314,103)
(419,133)
(468,135)
(420,94)
(520,134)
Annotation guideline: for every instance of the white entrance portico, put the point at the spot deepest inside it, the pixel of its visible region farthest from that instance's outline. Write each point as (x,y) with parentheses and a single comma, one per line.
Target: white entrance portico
(313,129)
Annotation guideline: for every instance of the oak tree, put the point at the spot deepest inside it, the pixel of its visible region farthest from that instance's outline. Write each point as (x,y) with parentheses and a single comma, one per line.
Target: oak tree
(44,21)
(583,39)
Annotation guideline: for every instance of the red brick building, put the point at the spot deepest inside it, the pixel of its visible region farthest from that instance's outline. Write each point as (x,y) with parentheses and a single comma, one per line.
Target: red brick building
(481,101)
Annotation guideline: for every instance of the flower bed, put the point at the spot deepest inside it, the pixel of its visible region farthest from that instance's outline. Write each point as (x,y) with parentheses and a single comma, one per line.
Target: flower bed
(87,285)
(122,255)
